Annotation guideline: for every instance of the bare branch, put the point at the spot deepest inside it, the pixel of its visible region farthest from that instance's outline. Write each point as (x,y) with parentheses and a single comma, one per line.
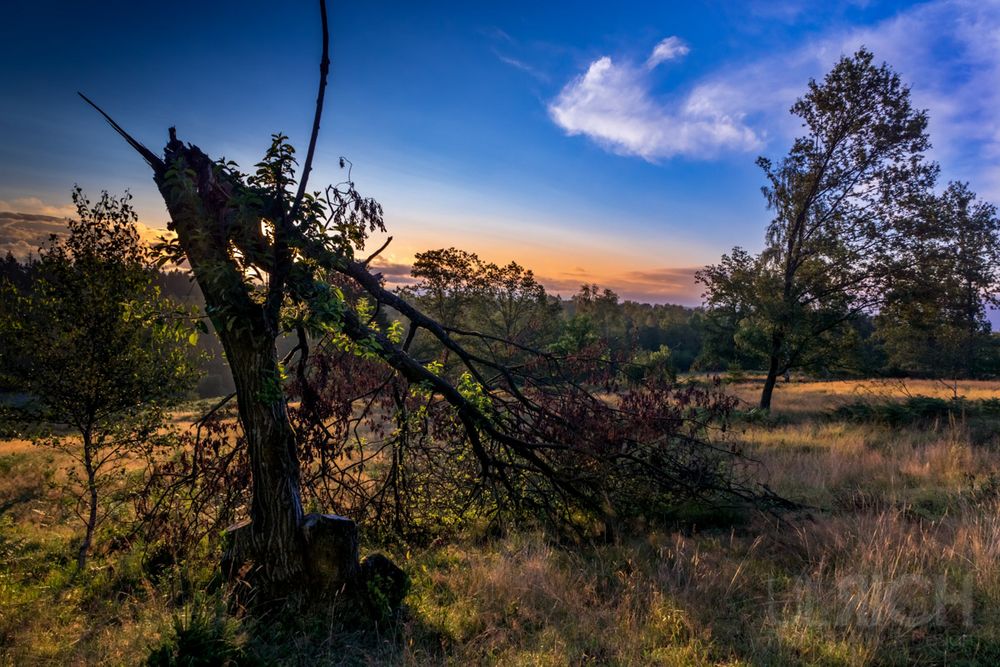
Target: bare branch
(324,70)
(377,252)
(155,162)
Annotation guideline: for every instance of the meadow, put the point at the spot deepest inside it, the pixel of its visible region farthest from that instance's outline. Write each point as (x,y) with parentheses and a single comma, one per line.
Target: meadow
(893,558)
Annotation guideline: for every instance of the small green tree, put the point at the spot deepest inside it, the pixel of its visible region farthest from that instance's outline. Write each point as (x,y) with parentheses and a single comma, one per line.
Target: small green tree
(733,315)
(94,347)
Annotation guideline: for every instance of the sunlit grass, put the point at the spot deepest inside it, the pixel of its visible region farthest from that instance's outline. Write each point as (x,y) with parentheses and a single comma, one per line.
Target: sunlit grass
(895,559)
(800,397)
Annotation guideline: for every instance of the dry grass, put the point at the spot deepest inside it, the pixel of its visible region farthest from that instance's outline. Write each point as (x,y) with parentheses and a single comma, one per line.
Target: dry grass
(896,562)
(808,398)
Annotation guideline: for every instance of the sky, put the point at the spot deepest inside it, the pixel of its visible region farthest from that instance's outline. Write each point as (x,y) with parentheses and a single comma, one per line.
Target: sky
(591,142)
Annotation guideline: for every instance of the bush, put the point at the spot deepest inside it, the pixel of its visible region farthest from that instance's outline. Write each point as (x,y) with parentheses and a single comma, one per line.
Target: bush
(201,636)
(914,410)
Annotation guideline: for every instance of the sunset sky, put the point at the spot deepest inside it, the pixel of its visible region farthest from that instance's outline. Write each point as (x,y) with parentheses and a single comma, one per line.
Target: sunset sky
(610,142)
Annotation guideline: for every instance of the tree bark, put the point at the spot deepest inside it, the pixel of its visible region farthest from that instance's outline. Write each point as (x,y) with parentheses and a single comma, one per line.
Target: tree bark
(88,464)
(772,372)
(276,507)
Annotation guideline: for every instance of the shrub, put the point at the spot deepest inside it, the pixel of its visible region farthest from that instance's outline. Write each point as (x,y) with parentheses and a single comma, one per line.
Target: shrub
(914,410)
(203,635)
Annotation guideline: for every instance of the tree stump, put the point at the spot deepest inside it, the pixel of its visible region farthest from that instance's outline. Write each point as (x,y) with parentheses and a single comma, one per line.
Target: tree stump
(331,544)
(332,567)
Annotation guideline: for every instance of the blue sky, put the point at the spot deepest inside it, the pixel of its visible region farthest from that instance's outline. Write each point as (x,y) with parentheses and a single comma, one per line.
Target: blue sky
(606,142)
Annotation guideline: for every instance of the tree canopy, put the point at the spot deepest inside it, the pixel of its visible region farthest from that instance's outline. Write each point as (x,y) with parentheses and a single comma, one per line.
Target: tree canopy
(839,197)
(91,342)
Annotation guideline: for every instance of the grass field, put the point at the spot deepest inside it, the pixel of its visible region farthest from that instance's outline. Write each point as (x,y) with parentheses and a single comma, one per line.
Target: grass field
(894,560)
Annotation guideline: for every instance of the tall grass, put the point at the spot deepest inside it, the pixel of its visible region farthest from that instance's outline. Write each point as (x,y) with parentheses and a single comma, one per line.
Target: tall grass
(895,560)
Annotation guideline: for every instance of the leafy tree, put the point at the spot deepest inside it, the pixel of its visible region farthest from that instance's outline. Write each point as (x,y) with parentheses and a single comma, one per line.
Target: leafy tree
(837,196)
(677,327)
(735,305)
(745,302)
(934,319)
(577,334)
(94,346)
(600,307)
(448,280)
(505,304)
(516,307)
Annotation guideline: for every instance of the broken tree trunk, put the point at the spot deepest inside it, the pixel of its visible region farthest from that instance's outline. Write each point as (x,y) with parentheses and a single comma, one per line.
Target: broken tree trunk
(200,216)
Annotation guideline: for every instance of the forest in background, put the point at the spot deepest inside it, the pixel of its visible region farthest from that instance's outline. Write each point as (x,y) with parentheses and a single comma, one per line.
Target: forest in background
(654,338)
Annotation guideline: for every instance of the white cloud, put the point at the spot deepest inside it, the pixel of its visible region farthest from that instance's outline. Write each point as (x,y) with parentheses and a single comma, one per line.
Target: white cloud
(670,48)
(948,51)
(614,105)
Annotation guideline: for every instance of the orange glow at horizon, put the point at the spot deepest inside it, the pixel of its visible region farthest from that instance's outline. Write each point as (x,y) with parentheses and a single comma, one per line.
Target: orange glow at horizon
(561,269)
(561,264)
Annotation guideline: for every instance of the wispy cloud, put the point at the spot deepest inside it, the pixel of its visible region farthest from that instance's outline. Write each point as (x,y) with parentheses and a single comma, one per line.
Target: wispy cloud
(35,206)
(521,65)
(396,274)
(670,48)
(947,50)
(661,285)
(613,104)
(655,285)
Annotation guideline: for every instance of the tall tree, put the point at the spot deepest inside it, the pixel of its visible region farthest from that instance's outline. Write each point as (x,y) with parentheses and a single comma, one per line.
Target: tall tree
(516,308)
(837,197)
(448,281)
(94,346)
(948,272)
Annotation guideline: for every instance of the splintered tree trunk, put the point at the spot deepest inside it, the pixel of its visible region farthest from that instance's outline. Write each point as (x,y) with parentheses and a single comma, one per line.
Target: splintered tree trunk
(281,543)
(201,215)
(287,551)
(274,534)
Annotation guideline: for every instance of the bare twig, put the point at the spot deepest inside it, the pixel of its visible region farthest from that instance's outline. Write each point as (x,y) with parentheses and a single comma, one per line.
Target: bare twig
(324,70)
(377,252)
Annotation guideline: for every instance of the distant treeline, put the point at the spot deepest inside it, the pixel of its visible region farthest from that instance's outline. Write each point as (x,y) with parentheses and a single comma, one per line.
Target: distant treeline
(514,312)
